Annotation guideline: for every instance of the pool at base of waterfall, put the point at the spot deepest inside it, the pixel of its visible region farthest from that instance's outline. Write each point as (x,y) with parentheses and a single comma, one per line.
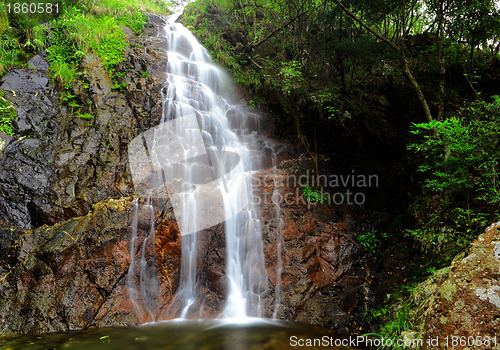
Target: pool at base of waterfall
(189,334)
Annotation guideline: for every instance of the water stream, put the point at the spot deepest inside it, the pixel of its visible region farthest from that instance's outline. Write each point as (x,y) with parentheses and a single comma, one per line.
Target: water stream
(205,153)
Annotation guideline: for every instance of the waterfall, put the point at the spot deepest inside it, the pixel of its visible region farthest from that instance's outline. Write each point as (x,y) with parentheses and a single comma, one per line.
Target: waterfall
(205,154)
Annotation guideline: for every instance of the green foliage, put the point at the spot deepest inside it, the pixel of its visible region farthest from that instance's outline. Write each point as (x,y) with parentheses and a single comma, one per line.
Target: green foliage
(77,28)
(370,242)
(119,85)
(127,10)
(134,21)
(328,100)
(21,35)
(496,99)
(76,34)
(374,314)
(399,323)
(291,76)
(111,48)
(460,176)
(473,20)
(62,54)
(10,52)
(314,196)
(7,115)
(393,323)
(93,27)
(69,99)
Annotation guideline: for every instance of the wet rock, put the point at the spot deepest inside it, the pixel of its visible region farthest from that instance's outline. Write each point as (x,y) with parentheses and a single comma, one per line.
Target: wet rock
(78,274)
(4,140)
(58,278)
(63,171)
(155,23)
(66,182)
(92,158)
(304,165)
(26,163)
(320,282)
(25,80)
(7,237)
(99,80)
(39,63)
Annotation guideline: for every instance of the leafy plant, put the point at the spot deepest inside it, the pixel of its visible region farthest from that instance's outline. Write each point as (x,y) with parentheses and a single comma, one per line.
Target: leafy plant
(370,241)
(327,100)
(7,115)
(314,196)
(21,35)
(111,48)
(375,314)
(291,75)
(393,323)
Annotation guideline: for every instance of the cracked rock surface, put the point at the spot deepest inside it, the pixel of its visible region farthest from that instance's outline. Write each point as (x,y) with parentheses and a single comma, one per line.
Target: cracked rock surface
(65,277)
(463,300)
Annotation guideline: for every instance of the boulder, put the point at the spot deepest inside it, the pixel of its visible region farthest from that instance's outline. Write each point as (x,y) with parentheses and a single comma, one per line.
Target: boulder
(462,302)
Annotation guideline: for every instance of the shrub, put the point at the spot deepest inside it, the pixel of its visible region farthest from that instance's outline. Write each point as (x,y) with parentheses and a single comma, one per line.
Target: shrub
(460,177)
(370,242)
(314,196)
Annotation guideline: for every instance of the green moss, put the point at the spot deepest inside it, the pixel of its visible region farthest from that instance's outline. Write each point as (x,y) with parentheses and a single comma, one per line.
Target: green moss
(448,290)
(86,116)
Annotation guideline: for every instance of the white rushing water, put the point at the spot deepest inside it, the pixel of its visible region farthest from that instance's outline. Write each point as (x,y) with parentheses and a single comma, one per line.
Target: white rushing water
(206,150)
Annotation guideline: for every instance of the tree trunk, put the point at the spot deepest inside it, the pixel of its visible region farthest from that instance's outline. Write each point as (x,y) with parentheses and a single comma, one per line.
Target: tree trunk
(442,69)
(418,90)
(406,68)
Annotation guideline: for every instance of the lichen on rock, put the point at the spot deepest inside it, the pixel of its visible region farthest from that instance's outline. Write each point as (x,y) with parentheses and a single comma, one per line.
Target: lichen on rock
(464,299)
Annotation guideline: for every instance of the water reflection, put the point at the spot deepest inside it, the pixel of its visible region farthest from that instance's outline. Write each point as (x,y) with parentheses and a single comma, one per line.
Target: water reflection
(183,335)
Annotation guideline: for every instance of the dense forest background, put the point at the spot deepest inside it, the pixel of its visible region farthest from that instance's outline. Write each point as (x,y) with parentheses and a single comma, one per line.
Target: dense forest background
(405,89)
(408,90)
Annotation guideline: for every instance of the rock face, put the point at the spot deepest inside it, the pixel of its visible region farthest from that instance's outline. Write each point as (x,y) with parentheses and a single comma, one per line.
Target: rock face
(58,164)
(463,300)
(71,173)
(321,282)
(64,277)
(26,163)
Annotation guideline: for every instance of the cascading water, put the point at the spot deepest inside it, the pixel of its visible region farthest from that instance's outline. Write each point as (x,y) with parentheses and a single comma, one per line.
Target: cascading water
(208,164)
